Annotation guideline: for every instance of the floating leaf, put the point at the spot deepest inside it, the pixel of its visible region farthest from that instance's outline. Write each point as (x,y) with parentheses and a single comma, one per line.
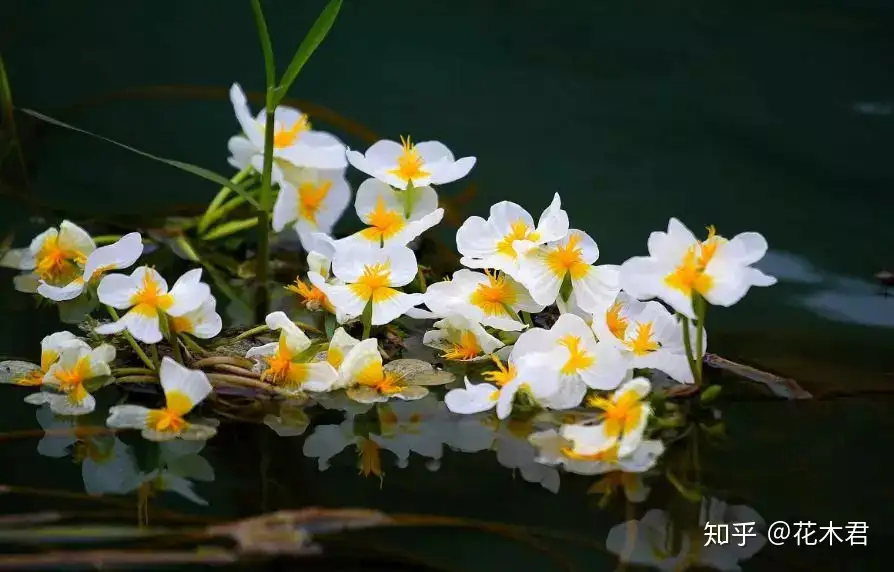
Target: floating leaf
(418,372)
(13,370)
(189,168)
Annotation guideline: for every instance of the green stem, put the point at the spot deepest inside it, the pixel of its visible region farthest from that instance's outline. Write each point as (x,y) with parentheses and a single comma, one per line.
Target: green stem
(526,318)
(218,200)
(366,319)
(701,308)
(133,343)
(137,379)
(251,332)
(421,276)
(218,213)
(174,341)
(155,357)
(192,344)
(122,371)
(106,239)
(409,196)
(687,345)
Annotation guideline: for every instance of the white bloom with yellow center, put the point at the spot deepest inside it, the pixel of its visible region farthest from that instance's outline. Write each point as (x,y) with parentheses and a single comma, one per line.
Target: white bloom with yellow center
(68,377)
(488,298)
(184,389)
(369,381)
(680,266)
(383,209)
(312,199)
(283,361)
(293,139)
(575,455)
(461,339)
(370,276)
(581,360)
(55,256)
(51,348)
(116,256)
(544,269)
(623,421)
(204,322)
(339,346)
(420,164)
(320,252)
(146,293)
(647,335)
(490,243)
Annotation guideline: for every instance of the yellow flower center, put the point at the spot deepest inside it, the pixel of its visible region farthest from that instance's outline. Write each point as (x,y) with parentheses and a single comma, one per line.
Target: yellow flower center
(279,365)
(643,341)
(170,418)
(310,199)
(609,455)
(495,296)
(374,283)
(690,275)
(578,358)
(314,298)
(374,376)
(409,163)
(286,137)
(567,259)
(621,415)
(182,324)
(335,357)
(519,231)
(149,299)
(617,324)
(466,348)
(383,223)
(502,375)
(56,264)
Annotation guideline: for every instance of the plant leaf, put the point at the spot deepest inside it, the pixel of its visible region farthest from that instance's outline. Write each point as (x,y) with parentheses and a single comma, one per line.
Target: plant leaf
(310,43)
(230,227)
(266,44)
(189,168)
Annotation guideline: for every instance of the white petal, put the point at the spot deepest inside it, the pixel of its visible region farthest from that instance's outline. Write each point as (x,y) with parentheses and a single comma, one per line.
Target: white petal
(27,283)
(321,376)
(415,228)
(396,305)
(117,290)
(402,264)
(250,127)
(118,255)
(188,293)
(553,223)
(74,238)
(346,302)
(597,289)
(192,383)
(59,294)
(285,209)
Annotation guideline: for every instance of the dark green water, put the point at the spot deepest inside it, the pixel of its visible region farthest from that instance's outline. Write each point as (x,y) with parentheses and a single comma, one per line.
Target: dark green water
(767,116)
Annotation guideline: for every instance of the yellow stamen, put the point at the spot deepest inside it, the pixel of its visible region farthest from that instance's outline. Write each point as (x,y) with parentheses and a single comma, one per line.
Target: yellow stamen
(519,230)
(568,259)
(374,376)
(690,275)
(70,380)
(55,264)
(409,163)
(286,137)
(503,375)
(619,416)
(279,365)
(374,283)
(310,199)
(578,358)
(494,297)
(149,299)
(617,324)
(313,297)
(383,223)
(466,348)
(643,342)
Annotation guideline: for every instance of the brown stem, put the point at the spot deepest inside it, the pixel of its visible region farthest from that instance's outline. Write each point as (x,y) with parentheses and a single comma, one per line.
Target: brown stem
(225,360)
(237,370)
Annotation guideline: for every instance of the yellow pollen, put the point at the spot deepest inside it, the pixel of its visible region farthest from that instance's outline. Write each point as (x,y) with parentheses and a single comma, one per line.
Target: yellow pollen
(54,263)
(165,420)
(578,358)
(383,223)
(71,380)
(643,342)
(617,324)
(409,163)
(149,299)
(466,348)
(495,296)
(519,230)
(502,375)
(285,137)
(690,275)
(619,416)
(310,199)
(313,297)
(567,259)
(374,283)
(279,365)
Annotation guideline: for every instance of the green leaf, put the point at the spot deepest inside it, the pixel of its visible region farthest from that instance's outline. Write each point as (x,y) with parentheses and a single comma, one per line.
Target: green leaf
(710,394)
(231,227)
(189,168)
(331,324)
(310,43)
(266,44)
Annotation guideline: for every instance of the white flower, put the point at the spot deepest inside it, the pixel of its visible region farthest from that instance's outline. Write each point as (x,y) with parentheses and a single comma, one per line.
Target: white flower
(384,210)
(68,377)
(320,253)
(400,164)
(203,322)
(184,389)
(313,199)
(54,256)
(648,336)
(461,339)
(51,348)
(370,276)
(293,140)
(679,265)
(284,364)
(116,256)
(339,346)
(489,243)
(581,361)
(544,269)
(368,381)
(145,292)
(178,464)
(555,449)
(623,421)
(490,299)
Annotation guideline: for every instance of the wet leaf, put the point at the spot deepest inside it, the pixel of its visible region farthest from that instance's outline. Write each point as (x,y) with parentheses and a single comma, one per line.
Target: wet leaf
(12,370)
(418,372)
